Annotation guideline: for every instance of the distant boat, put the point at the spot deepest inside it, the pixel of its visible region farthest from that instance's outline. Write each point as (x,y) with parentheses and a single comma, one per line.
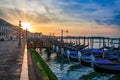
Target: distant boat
(112,47)
(95,51)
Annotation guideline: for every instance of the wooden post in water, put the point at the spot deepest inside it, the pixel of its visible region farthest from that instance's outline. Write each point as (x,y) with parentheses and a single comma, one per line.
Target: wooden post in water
(88,42)
(76,42)
(84,39)
(111,42)
(103,48)
(79,41)
(108,42)
(91,42)
(70,41)
(119,43)
(100,43)
(92,45)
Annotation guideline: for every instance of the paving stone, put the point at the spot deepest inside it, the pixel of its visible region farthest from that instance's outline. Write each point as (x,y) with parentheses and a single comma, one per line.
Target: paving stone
(11,58)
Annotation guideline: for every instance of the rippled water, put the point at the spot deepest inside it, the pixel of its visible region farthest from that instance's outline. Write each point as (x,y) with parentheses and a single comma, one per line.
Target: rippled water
(68,70)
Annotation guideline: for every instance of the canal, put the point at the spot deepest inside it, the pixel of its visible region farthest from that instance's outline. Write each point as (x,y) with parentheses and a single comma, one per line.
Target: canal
(65,69)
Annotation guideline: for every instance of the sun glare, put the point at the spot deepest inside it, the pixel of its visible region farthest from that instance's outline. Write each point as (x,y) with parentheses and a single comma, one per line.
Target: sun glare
(26,25)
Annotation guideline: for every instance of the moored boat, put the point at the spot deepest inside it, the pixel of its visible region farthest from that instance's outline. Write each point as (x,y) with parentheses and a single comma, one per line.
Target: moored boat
(107,68)
(87,61)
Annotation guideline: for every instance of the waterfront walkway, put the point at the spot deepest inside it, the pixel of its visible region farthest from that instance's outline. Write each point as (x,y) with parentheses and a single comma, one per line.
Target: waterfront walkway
(11,60)
(16,62)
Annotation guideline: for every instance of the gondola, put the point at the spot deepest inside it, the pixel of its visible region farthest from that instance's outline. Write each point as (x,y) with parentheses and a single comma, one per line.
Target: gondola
(74,58)
(73,55)
(86,61)
(113,68)
(97,52)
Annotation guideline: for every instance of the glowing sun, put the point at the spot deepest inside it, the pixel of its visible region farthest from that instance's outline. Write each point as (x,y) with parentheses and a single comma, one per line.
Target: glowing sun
(26,25)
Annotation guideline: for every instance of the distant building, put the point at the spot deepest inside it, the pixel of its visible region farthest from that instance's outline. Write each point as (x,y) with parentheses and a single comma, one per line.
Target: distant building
(7,30)
(36,35)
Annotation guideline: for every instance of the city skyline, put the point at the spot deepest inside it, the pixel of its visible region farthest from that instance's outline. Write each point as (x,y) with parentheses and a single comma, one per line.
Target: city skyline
(79,17)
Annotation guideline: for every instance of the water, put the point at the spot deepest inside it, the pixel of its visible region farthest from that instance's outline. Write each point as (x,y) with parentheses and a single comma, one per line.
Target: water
(65,70)
(68,70)
(95,44)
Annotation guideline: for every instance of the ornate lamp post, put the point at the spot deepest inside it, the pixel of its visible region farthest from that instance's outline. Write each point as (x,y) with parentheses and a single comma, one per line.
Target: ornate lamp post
(52,34)
(26,33)
(19,33)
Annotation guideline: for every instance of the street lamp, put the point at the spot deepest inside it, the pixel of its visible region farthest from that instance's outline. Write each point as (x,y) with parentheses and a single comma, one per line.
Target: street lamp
(52,34)
(19,33)
(26,33)
(62,31)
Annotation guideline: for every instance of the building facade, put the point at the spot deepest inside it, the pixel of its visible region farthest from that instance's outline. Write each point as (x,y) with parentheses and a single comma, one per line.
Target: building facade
(7,30)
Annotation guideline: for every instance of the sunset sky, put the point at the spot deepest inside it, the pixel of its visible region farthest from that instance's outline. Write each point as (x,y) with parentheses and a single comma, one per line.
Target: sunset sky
(79,17)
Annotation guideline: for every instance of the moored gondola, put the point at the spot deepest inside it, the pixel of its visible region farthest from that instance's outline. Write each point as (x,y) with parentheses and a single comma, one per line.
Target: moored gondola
(87,61)
(107,68)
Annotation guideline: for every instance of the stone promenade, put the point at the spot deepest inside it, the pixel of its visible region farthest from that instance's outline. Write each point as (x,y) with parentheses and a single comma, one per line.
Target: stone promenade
(11,58)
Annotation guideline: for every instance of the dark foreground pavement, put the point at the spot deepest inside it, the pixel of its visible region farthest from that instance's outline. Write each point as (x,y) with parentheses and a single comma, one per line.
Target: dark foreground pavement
(16,62)
(11,58)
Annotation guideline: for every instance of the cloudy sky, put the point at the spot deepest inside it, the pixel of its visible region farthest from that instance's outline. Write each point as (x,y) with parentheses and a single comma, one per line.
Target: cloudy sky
(79,17)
